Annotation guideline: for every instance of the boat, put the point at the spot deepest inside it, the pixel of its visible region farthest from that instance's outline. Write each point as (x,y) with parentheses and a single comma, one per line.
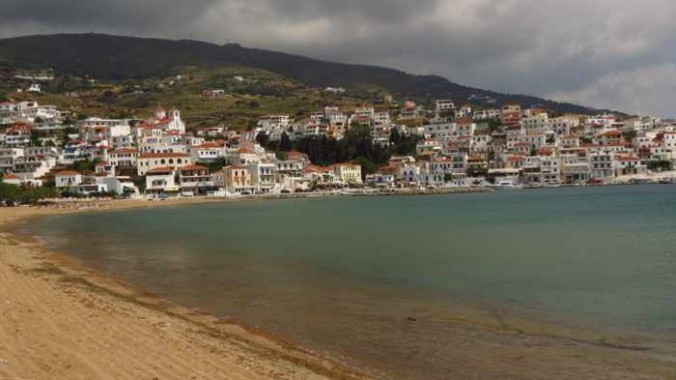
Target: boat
(667,181)
(505,185)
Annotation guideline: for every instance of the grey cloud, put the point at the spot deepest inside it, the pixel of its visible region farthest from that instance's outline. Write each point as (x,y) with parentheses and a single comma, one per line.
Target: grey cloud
(574,50)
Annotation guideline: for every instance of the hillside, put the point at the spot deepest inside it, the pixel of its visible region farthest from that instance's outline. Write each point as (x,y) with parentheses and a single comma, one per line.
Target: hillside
(249,94)
(119,58)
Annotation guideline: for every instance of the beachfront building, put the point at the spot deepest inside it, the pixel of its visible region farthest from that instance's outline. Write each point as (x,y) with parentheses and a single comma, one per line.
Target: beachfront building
(67,179)
(11,179)
(236,179)
(195,180)
(120,185)
(161,181)
(348,173)
(380,180)
(601,165)
(628,165)
(264,175)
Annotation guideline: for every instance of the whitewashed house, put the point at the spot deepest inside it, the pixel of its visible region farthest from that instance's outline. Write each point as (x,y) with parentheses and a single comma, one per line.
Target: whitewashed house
(67,179)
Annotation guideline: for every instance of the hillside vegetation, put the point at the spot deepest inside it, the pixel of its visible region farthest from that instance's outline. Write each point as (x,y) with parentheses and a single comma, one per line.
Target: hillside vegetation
(114,58)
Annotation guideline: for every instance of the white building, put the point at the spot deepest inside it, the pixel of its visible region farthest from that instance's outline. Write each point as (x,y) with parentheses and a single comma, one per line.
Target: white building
(149,161)
(444,106)
(161,180)
(67,179)
(348,173)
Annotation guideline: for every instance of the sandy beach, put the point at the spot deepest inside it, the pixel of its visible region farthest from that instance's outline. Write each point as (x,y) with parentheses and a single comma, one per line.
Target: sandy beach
(59,320)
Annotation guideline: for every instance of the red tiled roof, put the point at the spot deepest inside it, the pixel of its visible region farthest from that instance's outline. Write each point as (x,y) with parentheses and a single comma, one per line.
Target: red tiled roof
(67,173)
(627,158)
(316,169)
(193,167)
(235,167)
(125,151)
(164,155)
(158,170)
(208,145)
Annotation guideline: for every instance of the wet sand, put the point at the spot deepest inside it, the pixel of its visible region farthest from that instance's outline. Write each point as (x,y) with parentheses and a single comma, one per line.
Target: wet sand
(59,320)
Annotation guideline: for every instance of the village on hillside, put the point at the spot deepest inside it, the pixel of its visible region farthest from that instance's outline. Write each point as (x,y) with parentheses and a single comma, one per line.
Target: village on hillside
(416,147)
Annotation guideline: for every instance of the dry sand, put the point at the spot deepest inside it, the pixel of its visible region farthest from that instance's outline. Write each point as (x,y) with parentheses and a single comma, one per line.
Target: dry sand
(59,320)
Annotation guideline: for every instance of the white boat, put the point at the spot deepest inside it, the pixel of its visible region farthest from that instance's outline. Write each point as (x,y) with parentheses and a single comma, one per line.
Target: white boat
(505,185)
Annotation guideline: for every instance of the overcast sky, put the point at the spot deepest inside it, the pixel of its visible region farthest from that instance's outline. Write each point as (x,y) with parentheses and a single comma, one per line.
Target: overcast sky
(605,53)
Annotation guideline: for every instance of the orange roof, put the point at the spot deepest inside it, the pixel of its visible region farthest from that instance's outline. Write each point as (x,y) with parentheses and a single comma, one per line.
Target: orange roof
(294,153)
(440,159)
(235,167)
(316,169)
(125,150)
(627,158)
(10,176)
(193,167)
(388,169)
(67,173)
(208,145)
(164,155)
(162,169)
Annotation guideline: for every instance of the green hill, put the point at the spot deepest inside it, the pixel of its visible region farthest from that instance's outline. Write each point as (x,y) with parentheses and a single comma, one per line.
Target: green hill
(118,58)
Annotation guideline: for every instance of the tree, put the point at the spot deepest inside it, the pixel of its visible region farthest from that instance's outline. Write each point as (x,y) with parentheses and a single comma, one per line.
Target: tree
(36,136)
(477,172)
(216,166)
(25,193)
(448,177)
(85,166)
(9,193)
(586,140)
(285,144)
(263,139)
(367,166)
(629,135)
(494,124)
(395,136)
(659,165)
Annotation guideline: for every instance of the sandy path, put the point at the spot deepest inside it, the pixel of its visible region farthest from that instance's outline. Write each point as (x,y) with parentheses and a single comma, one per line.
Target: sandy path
(60,321)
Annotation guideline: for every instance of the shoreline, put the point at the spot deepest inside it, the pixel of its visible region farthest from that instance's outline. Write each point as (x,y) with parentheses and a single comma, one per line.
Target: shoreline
(224,348)
(265,356)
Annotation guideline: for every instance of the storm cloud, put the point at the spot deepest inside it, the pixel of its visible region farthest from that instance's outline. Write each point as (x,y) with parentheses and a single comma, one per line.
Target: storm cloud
(606,53)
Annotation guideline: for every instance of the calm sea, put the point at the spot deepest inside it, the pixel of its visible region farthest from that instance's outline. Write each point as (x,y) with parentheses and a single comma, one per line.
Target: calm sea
(347,275)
